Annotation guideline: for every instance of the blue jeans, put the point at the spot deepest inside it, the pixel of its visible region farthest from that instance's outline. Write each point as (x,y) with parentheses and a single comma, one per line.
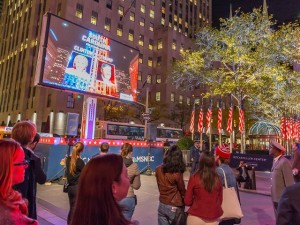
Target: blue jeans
(166,214)
(128,205)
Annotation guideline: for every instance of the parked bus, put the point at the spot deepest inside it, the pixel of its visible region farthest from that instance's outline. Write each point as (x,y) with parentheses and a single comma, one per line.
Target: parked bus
(117,130)
(5,132)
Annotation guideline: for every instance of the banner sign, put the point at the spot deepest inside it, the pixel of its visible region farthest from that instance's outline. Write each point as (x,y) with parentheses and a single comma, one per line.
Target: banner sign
(260,162)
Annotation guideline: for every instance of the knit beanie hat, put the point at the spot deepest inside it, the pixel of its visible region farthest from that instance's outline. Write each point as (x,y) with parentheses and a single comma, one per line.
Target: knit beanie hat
(223,151)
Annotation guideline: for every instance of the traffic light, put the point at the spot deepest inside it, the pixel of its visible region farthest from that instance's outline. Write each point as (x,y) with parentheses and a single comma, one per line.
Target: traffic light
(75,95)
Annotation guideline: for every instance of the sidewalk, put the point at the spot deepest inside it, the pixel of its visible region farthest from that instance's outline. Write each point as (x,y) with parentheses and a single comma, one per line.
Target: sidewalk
(53,204)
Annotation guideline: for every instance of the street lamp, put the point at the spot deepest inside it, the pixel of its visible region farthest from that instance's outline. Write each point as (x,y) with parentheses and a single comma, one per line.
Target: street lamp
(146,114)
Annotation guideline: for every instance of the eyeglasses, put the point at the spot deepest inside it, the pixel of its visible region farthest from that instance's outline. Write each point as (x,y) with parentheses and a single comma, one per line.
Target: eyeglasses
(24,163)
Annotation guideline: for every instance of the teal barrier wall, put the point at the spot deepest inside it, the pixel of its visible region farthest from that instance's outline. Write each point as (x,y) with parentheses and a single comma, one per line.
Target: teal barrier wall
(53,157)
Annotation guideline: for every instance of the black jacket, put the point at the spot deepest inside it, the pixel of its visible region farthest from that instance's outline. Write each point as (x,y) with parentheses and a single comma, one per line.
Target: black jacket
(288,212)
(240,169)
(33,175)
(74,179)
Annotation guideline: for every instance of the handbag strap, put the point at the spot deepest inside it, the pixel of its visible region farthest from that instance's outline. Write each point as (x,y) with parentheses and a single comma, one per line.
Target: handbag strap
(225,180)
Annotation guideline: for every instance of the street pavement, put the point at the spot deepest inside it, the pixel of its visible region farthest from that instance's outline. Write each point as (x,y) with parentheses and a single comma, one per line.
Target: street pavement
(53,205)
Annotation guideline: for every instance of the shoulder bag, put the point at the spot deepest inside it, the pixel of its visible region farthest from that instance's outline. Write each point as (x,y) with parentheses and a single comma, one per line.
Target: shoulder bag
(230,205)
(66,186)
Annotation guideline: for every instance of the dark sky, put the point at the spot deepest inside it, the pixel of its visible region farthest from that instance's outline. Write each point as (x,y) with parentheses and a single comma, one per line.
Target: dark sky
(282,10)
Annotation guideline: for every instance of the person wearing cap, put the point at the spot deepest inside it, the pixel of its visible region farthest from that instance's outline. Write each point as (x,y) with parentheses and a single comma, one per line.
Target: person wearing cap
(195,156)
(281,173)
(222,158)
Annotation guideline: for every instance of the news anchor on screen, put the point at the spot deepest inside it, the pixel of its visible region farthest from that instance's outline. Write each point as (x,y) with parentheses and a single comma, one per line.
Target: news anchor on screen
(106,74)
(76,77)
(106,83)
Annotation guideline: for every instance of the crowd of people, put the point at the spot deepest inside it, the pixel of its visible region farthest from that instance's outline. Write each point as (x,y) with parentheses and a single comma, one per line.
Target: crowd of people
(102,191)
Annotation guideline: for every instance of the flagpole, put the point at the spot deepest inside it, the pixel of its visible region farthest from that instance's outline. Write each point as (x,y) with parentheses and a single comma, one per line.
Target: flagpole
(220,130)
(230,137)
(210,144)
(201,130)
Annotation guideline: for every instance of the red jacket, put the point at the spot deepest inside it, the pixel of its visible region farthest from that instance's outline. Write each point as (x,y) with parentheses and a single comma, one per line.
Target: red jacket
(203,204)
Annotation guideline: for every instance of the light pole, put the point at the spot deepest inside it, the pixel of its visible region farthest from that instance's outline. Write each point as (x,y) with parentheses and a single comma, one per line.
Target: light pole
(146,115)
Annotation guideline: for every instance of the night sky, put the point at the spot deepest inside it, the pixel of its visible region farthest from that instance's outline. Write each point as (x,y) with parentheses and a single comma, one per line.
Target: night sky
(282,10)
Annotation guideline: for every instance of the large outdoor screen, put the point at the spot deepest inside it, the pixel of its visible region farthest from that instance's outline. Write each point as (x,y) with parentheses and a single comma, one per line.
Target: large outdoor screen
(80,60)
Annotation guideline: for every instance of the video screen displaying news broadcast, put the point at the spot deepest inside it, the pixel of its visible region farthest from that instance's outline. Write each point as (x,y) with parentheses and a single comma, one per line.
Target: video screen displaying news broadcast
(82,60)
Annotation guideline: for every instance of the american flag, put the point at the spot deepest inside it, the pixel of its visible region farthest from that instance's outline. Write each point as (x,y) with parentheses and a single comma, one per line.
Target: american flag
(220,120)
(208,119)
(229,123)
(283,128)
(298,130)
(192,121)
(241,120)
(288,128)
(200,121)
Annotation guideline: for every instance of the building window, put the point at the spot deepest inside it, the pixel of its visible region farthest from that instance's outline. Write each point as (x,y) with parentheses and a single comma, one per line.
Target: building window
(49,100)
(181,48)
(121,10)
(120,30)
(140,76)
(162,21)
(143,8)
(152,2)
(197,101)
(109,4)
(158,61)
(107,24)
(159,44)
(142,22)
(151,27)
(150,44)
(130,35)
(157,96)
(79,11)
(158,79)
(172,97)
(151,13)
(150,62)
(70,102)
(141,58)
(141,40)
(94,18)
(132,16)
(180,99)
(149,79)
(188,101)
(174,45)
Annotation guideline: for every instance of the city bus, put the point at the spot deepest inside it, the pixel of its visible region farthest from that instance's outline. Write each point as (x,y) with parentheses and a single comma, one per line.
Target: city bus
(120,131)
(5,132)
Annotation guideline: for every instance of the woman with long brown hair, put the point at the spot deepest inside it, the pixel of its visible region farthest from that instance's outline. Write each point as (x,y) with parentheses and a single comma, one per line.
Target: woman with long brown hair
(13,209)
(204,194)
(103,183)
(74,166)
(169,178)
(128,203)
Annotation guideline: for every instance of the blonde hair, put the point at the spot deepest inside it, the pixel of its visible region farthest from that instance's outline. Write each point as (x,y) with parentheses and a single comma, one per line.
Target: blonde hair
(126,149)
(75,154)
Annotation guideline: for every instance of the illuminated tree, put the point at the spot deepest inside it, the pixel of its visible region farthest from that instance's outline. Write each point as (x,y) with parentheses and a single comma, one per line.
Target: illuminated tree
(249,57)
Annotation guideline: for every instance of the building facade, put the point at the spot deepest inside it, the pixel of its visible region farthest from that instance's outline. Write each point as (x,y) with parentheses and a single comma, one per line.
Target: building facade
(159,29)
